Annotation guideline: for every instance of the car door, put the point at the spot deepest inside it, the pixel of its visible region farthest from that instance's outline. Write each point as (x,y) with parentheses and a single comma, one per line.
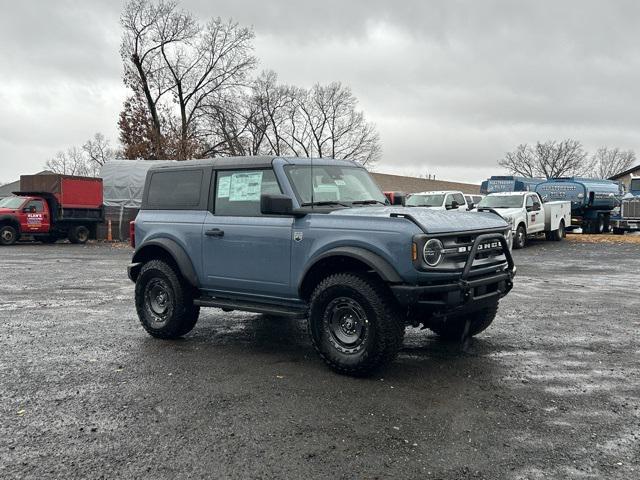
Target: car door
(35,217)
(245,252)
(535,221)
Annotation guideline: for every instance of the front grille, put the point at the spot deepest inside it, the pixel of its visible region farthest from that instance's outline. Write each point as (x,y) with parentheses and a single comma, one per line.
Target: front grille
(631,208)
(457,249)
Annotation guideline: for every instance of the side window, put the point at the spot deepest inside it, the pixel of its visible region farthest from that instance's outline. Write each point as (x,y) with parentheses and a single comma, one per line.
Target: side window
(458,197)
(35,205)
(449,200)
(238,192)
(175,189)
(529,201)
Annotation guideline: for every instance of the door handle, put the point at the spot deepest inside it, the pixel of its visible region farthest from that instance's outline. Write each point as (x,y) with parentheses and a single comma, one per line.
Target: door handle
(214,232)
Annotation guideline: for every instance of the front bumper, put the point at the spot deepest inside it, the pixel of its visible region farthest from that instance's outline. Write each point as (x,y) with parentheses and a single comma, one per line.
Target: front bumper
(466,290)
(630,225)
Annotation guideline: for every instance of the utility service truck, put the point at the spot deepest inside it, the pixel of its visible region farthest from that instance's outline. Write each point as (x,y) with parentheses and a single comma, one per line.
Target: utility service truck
(528,216)
(592,200)
(52,207)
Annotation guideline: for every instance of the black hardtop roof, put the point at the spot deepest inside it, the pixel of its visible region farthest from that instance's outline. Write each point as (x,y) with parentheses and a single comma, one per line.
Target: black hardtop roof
(250,162)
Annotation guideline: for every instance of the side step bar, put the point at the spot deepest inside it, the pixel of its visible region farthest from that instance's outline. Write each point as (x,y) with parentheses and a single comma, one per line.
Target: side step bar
(246,306)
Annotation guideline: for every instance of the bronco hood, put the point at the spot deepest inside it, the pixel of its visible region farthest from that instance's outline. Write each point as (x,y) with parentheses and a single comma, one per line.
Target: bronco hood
(433,221)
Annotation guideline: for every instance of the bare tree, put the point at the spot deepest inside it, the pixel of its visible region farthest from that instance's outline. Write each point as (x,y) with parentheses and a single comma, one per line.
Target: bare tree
(550,159)
(169,55)
(98,152)
(70,162)
(607,162)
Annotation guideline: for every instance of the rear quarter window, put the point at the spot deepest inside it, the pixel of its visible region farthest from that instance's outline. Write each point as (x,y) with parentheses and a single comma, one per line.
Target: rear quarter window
(175,189)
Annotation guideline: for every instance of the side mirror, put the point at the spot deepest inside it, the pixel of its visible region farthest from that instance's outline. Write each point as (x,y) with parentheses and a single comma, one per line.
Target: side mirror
(536,207)
(471,206)
(454,205)
(276,205)
(529,208)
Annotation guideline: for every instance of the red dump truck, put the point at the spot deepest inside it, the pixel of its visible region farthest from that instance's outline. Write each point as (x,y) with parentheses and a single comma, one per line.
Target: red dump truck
(52,207)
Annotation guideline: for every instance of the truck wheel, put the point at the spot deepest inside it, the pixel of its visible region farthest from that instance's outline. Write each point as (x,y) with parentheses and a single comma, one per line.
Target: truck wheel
(454,327)
(8,235)
(520,238)
(163,302)
(354,323)
(79,234)
(598,226)
(560,233)
(618,231)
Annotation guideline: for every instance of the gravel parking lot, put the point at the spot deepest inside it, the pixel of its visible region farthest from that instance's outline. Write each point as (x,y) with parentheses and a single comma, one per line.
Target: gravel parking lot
(552,390)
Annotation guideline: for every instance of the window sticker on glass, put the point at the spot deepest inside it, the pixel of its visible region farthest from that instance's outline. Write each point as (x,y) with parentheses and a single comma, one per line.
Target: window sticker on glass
(341,183)
(245,187)
(223,187)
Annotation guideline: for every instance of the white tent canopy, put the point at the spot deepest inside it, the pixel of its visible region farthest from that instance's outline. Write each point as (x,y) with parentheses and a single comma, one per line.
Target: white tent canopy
(123,181)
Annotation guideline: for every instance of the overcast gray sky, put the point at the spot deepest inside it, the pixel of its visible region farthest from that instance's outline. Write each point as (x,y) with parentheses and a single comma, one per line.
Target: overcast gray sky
(451,85)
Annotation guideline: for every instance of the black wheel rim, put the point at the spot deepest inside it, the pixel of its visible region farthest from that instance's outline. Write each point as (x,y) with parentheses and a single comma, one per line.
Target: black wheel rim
(7,235)
(347,324)
(158,301)
(82,235)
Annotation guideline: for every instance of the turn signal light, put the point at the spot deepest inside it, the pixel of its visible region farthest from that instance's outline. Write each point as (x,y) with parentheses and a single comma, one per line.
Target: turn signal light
(414,251)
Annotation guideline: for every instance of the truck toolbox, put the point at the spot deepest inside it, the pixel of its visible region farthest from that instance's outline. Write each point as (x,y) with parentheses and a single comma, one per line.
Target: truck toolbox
(70,191)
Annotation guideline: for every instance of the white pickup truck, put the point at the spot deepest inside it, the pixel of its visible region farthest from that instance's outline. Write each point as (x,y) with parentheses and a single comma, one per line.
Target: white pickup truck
(528,215)
(442,200)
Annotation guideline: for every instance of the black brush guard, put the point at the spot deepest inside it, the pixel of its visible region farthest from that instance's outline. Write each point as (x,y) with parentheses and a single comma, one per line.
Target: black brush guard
(465,290)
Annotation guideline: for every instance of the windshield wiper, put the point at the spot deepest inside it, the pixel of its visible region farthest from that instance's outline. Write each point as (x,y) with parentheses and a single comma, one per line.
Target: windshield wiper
(367,202)
(325,203)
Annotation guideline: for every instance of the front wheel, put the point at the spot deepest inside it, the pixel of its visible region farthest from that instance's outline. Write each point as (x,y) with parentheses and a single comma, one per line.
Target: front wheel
(354,323)
(163,302)
(520,238)
(455,326)
(8,235)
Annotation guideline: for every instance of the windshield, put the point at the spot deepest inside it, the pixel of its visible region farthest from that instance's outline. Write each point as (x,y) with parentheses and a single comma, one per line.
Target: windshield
(425,201)
(334,184)
(11,202)
(501,201)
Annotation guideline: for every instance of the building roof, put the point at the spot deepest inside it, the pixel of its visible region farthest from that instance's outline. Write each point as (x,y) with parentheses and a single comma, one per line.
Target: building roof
(401,183)
(635,169)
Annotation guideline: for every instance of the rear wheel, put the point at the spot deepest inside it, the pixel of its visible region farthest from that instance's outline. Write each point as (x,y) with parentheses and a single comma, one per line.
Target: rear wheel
(79,234)
(456,327)
(354,323)
(164,302)
(618,231)
(520,238)
(8,235)
(560,233)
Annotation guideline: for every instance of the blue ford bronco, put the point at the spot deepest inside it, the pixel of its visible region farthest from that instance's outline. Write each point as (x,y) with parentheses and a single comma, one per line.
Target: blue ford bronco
(314,239)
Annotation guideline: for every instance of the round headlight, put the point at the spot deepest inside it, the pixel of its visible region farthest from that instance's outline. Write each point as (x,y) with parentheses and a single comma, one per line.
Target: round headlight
(432,252)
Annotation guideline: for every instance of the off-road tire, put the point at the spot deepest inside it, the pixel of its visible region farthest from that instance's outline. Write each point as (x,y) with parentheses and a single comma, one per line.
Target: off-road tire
(159,278)
(453,328)
(559,234)
(520,238)
(8,235)
(79,234)
(383,325)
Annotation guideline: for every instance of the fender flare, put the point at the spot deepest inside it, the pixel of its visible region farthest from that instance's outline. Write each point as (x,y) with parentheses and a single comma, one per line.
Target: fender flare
(382,267)
(175,251)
